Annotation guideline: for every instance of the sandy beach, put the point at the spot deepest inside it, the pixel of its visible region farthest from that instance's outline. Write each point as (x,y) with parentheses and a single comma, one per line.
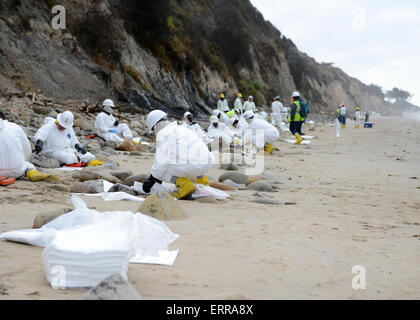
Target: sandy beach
(350,201)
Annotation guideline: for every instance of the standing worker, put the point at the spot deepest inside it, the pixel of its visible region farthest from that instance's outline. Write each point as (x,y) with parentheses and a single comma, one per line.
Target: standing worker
(250,105)
(343,115)
(222,104)
(296,117)
(277,109)
(238,103)
(357,118)
(181,156)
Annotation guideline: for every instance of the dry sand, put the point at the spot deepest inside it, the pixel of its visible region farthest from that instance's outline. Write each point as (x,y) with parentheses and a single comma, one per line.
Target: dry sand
(355,204)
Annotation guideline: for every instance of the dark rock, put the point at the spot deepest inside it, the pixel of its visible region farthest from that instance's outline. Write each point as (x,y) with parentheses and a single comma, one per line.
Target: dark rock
(235,177)
(138,178)
(122,188)
(114,287)
(79,187)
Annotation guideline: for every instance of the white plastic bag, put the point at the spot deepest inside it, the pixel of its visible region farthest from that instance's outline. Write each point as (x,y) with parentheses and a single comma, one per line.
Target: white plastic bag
(205,191)
(337,128)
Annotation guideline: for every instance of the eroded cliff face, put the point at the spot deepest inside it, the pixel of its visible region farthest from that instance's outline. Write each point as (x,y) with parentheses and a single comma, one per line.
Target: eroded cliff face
(176,55)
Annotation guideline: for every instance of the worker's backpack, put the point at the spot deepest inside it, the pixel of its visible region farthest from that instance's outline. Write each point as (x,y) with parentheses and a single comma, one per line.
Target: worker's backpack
(304,109)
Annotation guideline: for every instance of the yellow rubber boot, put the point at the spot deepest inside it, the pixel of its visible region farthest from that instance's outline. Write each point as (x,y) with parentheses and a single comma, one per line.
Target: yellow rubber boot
(357,127)
(299,139)
(204,181)
(268,148)
(95,163)
(36,176)
(185,188)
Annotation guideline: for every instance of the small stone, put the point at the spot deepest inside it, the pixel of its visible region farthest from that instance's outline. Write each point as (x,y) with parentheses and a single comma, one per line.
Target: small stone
(221,186)
(60,187)
(96,185)
(232,184)
(83,124)
(128,145)
(122,188)
(45,217)
(136,153)
(44,162)
(114,287)
(110,151)
(251,180)
(102,156)
(235,177)
(263,186)
(41,110)
(162,207)
(75,175)
(138,178)
(80,187)
(122,174)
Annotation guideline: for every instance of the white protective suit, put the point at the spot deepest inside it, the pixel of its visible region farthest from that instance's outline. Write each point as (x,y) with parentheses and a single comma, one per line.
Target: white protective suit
(343,111)
(222,131)
(222,105)
(105,122)
(276,115)
(249,106)
(238,105)
(270,133)
(15,151)
(180,153)
(61,144)
(358,118)
(196,128)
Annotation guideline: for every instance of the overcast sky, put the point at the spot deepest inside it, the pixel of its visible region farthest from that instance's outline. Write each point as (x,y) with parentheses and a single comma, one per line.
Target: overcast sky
(372,40)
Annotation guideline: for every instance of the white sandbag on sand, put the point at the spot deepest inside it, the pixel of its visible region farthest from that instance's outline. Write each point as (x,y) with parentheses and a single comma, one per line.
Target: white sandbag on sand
(294,141)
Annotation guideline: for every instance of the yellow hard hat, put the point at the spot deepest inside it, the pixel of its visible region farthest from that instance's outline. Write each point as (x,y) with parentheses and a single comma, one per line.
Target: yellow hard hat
(240,95)
(357,109)
(222,95)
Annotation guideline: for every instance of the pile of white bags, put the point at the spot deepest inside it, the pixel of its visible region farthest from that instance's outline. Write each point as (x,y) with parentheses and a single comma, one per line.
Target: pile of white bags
(85,246)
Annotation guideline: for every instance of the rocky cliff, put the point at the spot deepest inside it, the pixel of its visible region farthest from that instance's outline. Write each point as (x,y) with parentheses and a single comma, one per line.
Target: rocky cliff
(172,54)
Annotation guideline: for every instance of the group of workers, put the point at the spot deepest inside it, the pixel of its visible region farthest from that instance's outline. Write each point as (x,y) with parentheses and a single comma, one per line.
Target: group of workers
(183,151)
(341,114)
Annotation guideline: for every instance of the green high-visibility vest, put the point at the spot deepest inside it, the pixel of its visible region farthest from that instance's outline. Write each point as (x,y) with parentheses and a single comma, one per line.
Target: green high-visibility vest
(297,117)
(230,113)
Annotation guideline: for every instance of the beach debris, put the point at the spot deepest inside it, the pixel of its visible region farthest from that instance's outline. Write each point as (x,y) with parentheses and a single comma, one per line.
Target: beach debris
(262,185)
(45,217)
(236,177)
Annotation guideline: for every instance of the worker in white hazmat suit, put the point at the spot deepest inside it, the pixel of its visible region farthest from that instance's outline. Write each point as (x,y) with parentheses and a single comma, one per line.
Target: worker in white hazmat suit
(181,156)
(15,153)
(238,105)
(222,117)
(222,104)
(256,127)
(190,124)
(276,112)
(58,140)
(219,130)
(250,105)
(110,129)
(357,118)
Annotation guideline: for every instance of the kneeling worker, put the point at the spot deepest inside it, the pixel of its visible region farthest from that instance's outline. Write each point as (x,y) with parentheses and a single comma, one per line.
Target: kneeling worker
(56,139)
(108,128)
(15,151)
(181,156)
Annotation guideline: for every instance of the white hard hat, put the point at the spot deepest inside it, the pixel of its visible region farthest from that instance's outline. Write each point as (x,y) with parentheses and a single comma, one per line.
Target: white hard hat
(108,103)
(154,117)
(250,97)
(213,119)
(186,114)
(248,115)
(296,94)
(66,119)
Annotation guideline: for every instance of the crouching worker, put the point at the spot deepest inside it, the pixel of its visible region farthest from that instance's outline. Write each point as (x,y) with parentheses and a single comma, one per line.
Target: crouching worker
(15,151)
(270,133)
(181,156)
(110,129)
(56,139)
